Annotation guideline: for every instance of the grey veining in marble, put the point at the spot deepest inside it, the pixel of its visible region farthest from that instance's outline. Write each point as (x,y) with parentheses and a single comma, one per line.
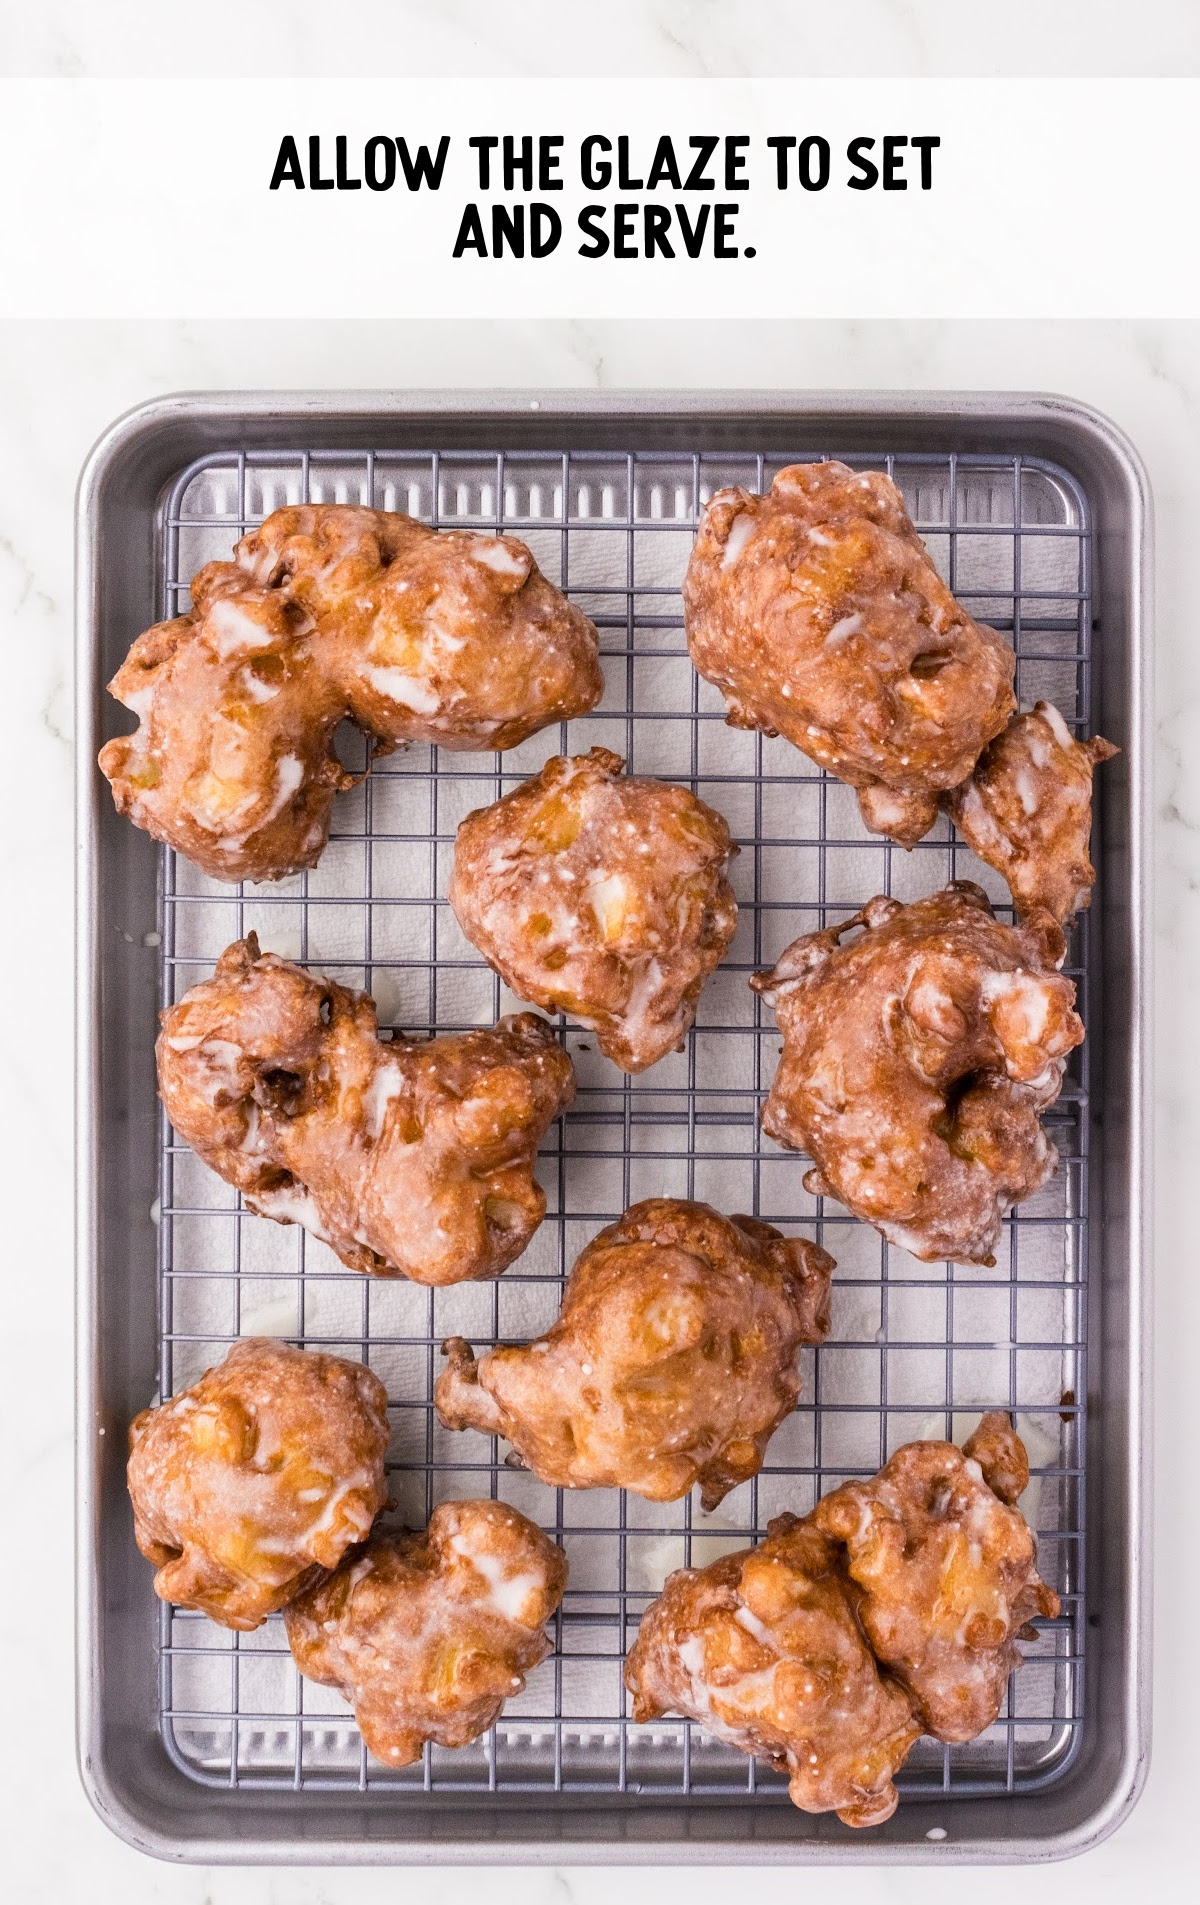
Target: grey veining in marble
(672,38)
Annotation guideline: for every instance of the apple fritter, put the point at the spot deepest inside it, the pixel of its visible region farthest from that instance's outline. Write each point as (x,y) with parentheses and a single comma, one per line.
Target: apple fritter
(427,1635)
(816,611)
(893,1609)
(602,896)
(253,1483)
(672,1362)
(411,1158)
(233,761)
(765,1650)
(330,612)
(917,1059)
(1027,811)
(947,1569)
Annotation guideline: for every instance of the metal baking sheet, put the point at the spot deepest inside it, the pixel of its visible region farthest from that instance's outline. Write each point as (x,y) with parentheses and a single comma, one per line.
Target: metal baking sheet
(1021,535)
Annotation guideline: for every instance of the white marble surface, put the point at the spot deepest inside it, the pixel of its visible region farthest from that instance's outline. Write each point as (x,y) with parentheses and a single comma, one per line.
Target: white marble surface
(59,385)
(680,38)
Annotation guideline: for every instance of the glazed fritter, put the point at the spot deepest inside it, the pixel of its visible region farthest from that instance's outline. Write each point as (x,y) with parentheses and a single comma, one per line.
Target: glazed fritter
(1001,1457)
(765,1650)
(817,613)
(917,1059)
(673,1360)
(892,1609)
(428,1635)
(252,1484)
(413,1158)
(327,612)
(601,896)
(947,1568)
(233,762)
(1027,811)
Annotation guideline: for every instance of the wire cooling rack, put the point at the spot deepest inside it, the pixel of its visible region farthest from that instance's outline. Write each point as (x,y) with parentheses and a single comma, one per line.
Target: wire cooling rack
(916,1349)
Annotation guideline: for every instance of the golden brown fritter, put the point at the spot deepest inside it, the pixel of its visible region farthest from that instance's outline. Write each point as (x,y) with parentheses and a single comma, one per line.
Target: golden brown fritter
(600,896)
(428,1635)
(250,1485)
(326,611)
(948,1572)
(892,1609)
(1000,1453)
(233,762)
(1027,811)
(916,1061)
(449,636)
(413,1158)
(816,611)
(765,1650)
(673,1360)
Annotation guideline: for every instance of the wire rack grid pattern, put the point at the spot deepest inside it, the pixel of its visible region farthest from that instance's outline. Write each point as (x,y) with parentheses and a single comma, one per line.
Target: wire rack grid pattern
(915,1348)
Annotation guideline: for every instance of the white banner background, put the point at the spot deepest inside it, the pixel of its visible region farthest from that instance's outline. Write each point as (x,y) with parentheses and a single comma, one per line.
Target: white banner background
(150,199)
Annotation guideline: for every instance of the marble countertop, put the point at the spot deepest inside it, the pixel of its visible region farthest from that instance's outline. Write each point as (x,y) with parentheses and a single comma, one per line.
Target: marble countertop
(60,384)
(664,38)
